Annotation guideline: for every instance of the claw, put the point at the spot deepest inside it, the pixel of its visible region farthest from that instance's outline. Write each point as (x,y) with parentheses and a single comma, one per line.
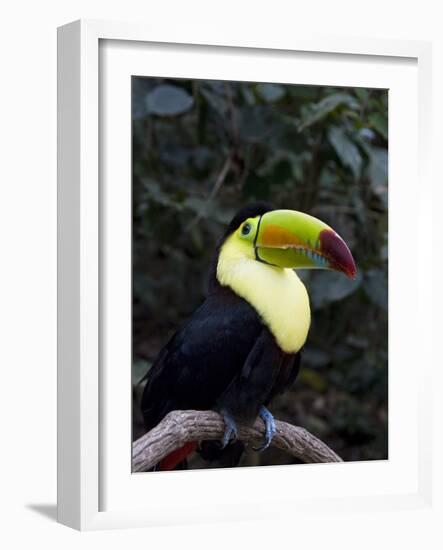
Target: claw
(269,423)
(230,429)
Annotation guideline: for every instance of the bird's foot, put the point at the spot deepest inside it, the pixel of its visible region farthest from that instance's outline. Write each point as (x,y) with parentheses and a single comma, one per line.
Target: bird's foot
(230,429)
(269,423)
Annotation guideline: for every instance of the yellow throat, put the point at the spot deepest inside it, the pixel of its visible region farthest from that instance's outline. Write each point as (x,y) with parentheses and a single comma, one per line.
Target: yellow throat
(277,294)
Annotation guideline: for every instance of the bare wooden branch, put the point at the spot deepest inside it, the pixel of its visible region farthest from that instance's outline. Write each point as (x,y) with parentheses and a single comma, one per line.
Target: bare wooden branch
(180,427)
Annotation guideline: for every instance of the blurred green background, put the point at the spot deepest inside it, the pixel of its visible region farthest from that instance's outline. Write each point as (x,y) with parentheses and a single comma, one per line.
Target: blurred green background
(201,150)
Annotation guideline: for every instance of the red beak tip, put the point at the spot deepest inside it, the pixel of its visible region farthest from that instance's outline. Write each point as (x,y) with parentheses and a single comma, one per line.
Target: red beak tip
(338,253)
(351,270)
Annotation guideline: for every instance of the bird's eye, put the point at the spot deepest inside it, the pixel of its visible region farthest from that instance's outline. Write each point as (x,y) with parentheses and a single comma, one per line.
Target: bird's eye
(246,229)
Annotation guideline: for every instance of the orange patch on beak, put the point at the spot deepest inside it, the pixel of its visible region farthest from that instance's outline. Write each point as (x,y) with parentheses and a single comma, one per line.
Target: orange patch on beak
(275,236)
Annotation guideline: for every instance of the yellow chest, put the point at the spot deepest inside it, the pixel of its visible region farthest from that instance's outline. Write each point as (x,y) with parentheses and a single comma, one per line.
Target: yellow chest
(278,295)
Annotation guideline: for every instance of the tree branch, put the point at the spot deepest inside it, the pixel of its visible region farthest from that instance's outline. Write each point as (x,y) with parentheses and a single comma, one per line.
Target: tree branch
(180,427)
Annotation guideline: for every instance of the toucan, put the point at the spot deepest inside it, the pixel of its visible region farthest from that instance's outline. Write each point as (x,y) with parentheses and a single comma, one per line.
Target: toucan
(242,346)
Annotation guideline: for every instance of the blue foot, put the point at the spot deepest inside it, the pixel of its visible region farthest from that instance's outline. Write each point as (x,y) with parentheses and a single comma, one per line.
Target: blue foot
(230,429)
(269,423)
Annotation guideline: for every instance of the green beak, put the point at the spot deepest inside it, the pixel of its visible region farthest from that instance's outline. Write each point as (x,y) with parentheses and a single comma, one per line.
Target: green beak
(291,239)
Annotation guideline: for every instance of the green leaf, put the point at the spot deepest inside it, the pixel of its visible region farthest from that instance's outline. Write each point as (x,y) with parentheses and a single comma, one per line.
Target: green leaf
(362,93)
(167,100)
(378,166)
(270,92)
(216,99)
(379,123)
(346,150)
(139,370)
(378,173)
(323,108)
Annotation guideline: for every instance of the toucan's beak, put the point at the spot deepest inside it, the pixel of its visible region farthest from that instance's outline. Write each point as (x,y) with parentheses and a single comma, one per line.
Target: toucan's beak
(291,239)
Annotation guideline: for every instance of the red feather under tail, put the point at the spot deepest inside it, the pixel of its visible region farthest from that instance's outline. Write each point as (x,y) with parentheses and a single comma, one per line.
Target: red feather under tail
(172,459)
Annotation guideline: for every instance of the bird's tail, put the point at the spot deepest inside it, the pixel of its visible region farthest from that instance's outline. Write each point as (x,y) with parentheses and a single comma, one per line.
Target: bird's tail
(176,459)
(209,450)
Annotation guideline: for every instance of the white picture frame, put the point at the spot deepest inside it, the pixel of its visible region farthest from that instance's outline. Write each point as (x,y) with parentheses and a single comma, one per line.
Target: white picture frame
(95,491)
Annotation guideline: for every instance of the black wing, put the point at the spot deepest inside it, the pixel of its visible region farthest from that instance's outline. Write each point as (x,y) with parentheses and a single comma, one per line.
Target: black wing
(202,358)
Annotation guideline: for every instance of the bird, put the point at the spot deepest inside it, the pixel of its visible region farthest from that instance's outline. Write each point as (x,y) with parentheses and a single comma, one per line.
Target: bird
(242,346)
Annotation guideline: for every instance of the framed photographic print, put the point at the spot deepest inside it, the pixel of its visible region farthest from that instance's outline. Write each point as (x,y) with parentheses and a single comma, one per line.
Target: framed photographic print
(235,220)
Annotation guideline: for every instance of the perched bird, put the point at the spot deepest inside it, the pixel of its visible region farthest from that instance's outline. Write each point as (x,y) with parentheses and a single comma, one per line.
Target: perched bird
(242,346)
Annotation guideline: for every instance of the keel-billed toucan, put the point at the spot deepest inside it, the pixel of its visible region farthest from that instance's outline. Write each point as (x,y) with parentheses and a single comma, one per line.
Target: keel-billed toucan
(241,346)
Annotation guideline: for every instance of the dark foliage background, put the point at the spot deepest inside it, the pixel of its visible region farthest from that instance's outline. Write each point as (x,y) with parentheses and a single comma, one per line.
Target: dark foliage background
(201,150)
